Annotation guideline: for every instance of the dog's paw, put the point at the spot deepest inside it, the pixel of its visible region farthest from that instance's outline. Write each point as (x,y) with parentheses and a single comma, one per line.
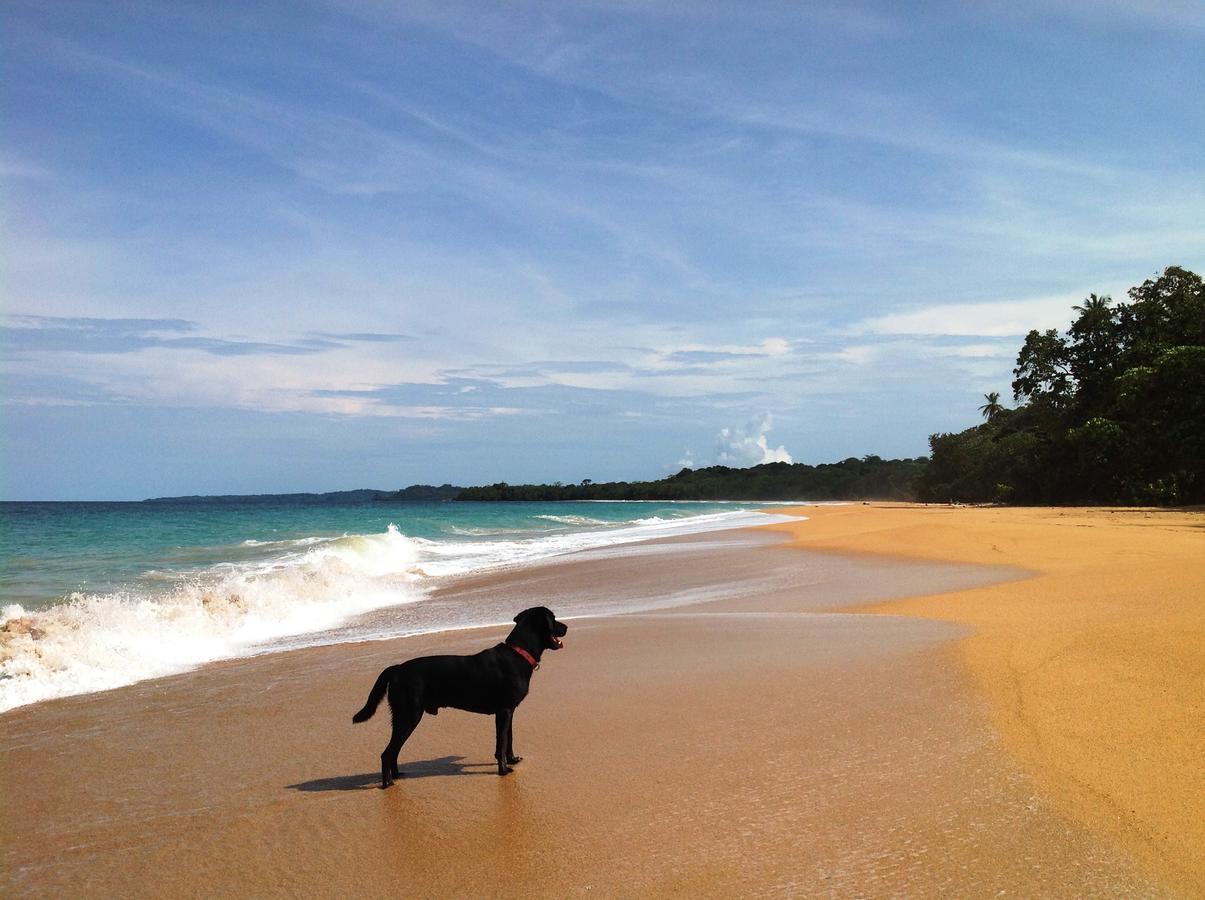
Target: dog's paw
(511,760)
(505,770)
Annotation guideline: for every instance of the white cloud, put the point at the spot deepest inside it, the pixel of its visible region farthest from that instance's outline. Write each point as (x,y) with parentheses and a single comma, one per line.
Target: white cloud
(747,445)
(858,355)
(976,351)
(715,354)
(1001,319)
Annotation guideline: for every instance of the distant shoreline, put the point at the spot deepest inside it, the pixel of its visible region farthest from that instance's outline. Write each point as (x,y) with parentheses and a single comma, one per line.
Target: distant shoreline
(416,492)
(865,478)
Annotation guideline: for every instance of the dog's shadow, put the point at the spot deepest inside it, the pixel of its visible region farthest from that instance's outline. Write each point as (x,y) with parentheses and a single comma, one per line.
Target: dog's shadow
(428,768)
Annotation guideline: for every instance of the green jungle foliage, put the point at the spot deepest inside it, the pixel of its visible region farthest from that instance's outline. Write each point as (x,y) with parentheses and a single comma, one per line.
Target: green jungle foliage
(1113,411)
(423,493)
(851,479)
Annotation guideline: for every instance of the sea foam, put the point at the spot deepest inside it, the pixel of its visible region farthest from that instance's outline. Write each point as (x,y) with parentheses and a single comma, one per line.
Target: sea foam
(96,641)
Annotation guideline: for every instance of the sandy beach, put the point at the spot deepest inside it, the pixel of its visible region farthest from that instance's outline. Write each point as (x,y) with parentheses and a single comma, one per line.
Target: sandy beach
(1093,667)
(1019,718)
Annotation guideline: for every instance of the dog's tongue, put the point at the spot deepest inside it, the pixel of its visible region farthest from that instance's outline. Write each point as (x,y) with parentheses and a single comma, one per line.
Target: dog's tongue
(559,642)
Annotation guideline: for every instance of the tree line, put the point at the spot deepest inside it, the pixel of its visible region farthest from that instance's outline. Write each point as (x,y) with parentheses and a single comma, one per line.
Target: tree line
(1110,412)
(851,479)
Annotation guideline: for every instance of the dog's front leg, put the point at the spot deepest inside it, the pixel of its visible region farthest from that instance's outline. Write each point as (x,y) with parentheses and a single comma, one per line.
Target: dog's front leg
(502,731)
(510,743)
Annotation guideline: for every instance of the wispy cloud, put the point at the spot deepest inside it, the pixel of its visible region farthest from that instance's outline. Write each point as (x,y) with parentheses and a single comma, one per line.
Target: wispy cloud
(1176,14)
(1004,318)
(364,337)
(655,220)
(46,334)
(15,167)
(599,63)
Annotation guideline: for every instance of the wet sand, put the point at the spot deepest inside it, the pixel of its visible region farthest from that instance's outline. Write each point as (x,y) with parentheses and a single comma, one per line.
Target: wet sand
(745,744)
(1094,668)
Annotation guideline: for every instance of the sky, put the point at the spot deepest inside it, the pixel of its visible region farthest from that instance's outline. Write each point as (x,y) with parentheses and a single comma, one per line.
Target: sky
(266,247)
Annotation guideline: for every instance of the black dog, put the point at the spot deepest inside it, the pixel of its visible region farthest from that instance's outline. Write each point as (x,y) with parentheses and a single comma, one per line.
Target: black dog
(492,682)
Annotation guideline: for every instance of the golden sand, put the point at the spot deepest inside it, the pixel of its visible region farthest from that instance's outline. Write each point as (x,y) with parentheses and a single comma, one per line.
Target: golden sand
(714,754)
(1094,667)
(745,746)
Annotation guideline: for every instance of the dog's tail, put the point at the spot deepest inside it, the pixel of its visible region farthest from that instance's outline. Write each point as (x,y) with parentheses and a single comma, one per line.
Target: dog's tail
(374,696)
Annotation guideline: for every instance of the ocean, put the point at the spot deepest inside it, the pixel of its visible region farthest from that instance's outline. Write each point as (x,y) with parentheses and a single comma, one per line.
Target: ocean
(94,596)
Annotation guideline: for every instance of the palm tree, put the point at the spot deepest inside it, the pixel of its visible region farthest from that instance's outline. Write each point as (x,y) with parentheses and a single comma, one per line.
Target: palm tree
(1095,307)
(1092,329)
(1096,346)
(992,408)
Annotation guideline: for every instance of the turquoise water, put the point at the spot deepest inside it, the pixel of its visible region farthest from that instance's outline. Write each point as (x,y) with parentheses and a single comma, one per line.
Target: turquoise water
(96,595)
(49,550)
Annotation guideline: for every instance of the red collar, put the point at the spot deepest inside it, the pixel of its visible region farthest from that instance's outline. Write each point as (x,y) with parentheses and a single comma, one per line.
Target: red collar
(531,660)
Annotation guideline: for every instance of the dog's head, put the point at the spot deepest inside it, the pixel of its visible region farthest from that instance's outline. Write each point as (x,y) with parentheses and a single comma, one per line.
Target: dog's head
(543,624)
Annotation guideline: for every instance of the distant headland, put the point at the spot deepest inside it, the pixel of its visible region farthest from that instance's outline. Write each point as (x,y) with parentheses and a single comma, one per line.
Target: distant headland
(415,493)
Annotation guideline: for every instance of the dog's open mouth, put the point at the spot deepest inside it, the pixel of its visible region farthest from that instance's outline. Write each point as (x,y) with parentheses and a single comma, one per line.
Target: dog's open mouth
(558,642)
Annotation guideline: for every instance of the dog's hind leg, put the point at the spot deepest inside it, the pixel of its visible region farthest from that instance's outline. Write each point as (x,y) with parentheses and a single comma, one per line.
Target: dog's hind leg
(502,722)
(404,723)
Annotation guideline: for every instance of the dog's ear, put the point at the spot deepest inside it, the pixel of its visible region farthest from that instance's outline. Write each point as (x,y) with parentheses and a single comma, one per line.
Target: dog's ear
(521,616)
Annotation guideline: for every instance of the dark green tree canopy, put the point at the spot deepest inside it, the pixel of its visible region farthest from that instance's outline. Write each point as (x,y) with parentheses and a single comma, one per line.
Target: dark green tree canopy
(1111,412)
(1043,372)
(851,479)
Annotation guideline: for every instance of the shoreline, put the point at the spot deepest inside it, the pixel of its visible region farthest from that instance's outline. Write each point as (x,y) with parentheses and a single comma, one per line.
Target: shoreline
(250,597)
(754,742)
(1092,666)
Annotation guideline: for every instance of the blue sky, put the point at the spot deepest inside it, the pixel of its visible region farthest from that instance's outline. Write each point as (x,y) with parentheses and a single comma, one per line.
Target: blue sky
(255,247)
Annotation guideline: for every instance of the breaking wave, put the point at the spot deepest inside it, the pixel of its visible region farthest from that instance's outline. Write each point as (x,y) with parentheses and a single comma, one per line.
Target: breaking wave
(581,521)
(168,621)
(96,641)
